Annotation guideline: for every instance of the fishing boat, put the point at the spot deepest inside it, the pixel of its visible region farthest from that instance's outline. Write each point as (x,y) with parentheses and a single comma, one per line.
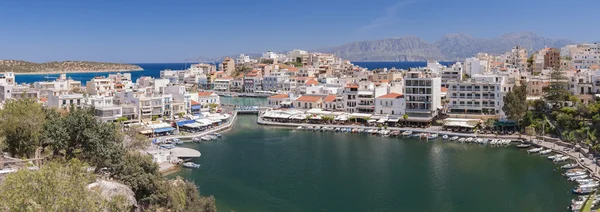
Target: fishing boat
(561,159)
(569,166)
(583,190)
(395,133)
(191,165)
(218,135)
(385,133)
(454,138)
(205,138)
(196,139)
(578,177)
(535,150)
(432,136)
(445,137)
(523,145)
(547,151)
(406,133)
(469,140)
(462,140)
(554,156)
(299,128)
(167,146)
(592,184)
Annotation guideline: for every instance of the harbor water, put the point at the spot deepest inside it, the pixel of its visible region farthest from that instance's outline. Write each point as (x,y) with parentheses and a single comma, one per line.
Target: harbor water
(259,168)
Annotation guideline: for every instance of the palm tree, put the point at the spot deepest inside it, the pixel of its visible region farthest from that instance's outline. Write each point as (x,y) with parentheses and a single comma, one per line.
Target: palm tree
(405,117)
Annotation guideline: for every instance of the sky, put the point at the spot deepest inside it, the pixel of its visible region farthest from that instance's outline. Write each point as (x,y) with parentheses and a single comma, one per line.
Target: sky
(135,31)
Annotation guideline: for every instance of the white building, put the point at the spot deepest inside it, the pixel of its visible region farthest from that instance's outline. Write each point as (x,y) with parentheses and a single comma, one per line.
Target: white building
(453,73)
(222,84)
(100,86)
(206,98)
(274,81)
(481,97)
(104,107)
(390,104)
(474,66)
(242,59)
(66,101)
(422,95)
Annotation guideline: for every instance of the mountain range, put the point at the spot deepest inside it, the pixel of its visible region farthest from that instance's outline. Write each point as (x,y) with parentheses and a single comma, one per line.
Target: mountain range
(451,47)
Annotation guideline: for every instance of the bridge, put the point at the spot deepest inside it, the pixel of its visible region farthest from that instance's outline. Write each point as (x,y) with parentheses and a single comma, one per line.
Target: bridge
(249,109)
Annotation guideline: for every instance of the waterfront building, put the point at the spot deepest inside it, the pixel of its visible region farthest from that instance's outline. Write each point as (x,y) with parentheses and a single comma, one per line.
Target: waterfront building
(274,81)
(453,73)
(582,84)
(390,104)
(308,102)
(253,81)
(100,86)
(280,101)
(422,96)
(237,84)
(349,97)
(333,103)
(207,98)
(222,84)
(480,97)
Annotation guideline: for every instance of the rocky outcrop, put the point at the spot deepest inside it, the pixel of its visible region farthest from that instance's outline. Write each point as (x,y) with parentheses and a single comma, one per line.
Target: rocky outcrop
(109,190)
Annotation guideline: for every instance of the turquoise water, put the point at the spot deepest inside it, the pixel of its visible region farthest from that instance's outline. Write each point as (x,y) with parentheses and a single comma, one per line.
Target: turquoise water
(257,168)
(243,101)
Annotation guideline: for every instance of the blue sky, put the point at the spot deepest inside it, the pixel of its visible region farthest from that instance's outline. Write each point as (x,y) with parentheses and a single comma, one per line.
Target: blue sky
(173,31)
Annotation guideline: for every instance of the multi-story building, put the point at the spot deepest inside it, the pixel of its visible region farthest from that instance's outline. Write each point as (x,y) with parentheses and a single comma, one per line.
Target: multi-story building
(222,84)
(206,98)
(453,73)
(308,102)
(8,78)
(481,97)
(242,59)
(582,56)
(391,104)
(274,81)
(18,92)
(66,101)
(100,86)
(422,95)
(227,66)
(349,97)
(475,65)
(104,108)
(253,82)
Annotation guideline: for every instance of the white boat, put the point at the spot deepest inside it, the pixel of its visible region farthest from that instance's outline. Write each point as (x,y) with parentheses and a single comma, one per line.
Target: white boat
(406,133)
(218,135)
(433,136)
(547,151)
(479,140)
(205,138)
(555,156)
(569,166)
(535,150)
(462,140)
(445,137)
(583,181)
(191,165)
(469,140)
(454,138)
(385,133)
(561,159)
(299,128)
(589,185)
(573,174)
(578,177)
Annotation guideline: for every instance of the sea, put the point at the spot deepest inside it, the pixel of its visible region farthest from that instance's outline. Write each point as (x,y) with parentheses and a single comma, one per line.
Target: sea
(153,70)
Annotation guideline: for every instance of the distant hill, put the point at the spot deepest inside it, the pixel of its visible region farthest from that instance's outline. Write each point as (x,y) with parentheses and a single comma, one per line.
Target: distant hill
(20,66)
(450,47)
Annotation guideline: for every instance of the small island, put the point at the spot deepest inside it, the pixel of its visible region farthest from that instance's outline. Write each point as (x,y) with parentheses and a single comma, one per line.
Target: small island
(25,67)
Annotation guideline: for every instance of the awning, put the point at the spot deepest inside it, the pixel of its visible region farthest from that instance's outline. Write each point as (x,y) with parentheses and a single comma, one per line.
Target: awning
(505,124)
(458,124)
(196,107)
(371,120)
(164,129)
(382,120)
(316,117)
(393,120)
(181,123)
(360,115)
(193,125)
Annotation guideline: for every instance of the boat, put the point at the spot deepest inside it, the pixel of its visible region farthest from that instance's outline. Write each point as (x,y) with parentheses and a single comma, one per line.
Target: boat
(547,151)
(385,133)
(395,133)
(454,138)
(535,150)
(218,135)
(578,177)
(523,145)
(554,156)
(573,174)
(445,137)
(561,159)
(406,133)
(205,138)
(191,165)
(577,205)
(569,166)
(462,140)
(299,128)
(167,146)
(195,139)
(592,184)
(583,190)
(583,181)
(177,141)
(433,136)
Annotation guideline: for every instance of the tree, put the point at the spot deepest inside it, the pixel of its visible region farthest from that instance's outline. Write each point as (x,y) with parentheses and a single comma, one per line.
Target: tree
(133,140)
(515,101)
(141,174)
(405,117)
(22,125)
(557,91)
(54,187)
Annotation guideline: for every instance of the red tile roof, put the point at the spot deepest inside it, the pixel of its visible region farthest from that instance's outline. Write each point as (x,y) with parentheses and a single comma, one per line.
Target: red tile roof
(43,99)
(307,98)
(195,103)
(352,85)
(279,96)
(329,98)
(391,96)
(444,89)
(311,82)
(202,93)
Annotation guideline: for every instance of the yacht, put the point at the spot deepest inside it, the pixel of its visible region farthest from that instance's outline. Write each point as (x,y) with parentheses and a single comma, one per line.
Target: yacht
(432,136)
(454,138)
(569,166)
(554,156)
(445,137)
(561,159)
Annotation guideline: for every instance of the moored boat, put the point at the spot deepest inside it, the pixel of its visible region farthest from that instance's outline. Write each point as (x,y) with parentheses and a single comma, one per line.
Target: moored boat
(191,165)
(552,157)
(406,133)
(523,145)
(547,151)
(445,137)
(569,166)
(578,177)
(433,136)
(205,138)
(535,150)
(561,159)
(454,138)
(573,174)
(583,190)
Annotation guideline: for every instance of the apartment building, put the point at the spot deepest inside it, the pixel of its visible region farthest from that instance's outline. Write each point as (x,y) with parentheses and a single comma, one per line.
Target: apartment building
(104,108)
(222,84)
(100,86)
(480,97)
(391,103)
(453,73)
(422,95)
(308,102)
(66,101)
(274,81)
